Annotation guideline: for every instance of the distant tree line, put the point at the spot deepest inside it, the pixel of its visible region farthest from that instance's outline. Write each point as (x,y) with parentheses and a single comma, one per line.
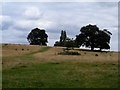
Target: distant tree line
(65,41)
(90,36)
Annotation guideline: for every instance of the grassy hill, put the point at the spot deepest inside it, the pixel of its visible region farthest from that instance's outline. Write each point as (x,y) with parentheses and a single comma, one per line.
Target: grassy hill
(27,66)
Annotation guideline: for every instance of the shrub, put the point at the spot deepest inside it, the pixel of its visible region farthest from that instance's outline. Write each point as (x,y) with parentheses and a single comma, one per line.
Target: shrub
(55,63)
(96,54)
(96,65)
(23,66)
(22,49)
(5,44)
(69,53)
(113,64)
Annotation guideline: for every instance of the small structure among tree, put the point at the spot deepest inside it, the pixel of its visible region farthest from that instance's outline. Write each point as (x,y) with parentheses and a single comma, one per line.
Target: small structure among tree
(37,37)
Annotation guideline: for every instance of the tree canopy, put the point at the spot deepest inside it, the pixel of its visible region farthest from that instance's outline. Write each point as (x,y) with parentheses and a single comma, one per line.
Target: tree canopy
(62,40)
(92,37)
(37,37)
(65,41)
(63,36)
(69,43)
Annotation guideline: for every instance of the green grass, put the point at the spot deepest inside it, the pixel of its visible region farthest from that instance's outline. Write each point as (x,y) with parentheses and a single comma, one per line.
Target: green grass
(43,49)
(61,75)
(58,74)
(30,55)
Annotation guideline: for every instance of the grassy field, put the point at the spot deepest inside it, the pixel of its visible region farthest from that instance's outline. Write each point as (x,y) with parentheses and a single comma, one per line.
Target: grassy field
(26,66)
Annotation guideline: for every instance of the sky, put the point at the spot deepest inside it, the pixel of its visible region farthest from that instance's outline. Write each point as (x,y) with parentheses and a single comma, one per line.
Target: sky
(19,18)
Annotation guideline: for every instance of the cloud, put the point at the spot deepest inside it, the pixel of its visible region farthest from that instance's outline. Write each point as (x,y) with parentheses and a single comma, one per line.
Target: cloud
(45,24)
(32,13)
(61,1)
(6,22)
(23,25)
(54,17)
(14,36)
(30,24)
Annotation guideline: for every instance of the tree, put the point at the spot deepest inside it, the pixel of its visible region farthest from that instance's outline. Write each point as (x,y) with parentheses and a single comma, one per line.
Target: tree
(62,39)
(63,36)
(69,43)
(103,39)
(80,39)
(92,37)
(37,37)
(57,43)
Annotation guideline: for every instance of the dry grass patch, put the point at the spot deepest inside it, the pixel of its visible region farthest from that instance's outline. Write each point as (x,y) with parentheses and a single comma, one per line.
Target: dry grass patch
(42,67)
(18,49)
(52,55)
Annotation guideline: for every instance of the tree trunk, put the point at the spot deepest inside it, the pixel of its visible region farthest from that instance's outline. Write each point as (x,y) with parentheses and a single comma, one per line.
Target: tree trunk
(92,48)
(100,49)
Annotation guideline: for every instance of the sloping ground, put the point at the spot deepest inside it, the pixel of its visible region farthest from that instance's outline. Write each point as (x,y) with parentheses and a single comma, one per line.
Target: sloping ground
(85,56)
(18,49)
(17,54)
(42,67)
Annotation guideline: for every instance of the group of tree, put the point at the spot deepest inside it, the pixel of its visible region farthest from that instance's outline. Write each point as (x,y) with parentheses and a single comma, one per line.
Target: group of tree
(90,36)
(65,41)
(62,40)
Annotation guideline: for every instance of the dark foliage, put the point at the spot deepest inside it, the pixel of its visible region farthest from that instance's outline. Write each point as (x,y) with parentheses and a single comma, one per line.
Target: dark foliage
(62,39)
(63,36)
(65,41)
(37,37)
(69,53)
(69,43)
(92,37)
(58,43)
(96,54)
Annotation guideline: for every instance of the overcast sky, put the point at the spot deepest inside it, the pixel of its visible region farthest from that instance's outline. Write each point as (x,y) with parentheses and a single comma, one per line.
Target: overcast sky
(19,18)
